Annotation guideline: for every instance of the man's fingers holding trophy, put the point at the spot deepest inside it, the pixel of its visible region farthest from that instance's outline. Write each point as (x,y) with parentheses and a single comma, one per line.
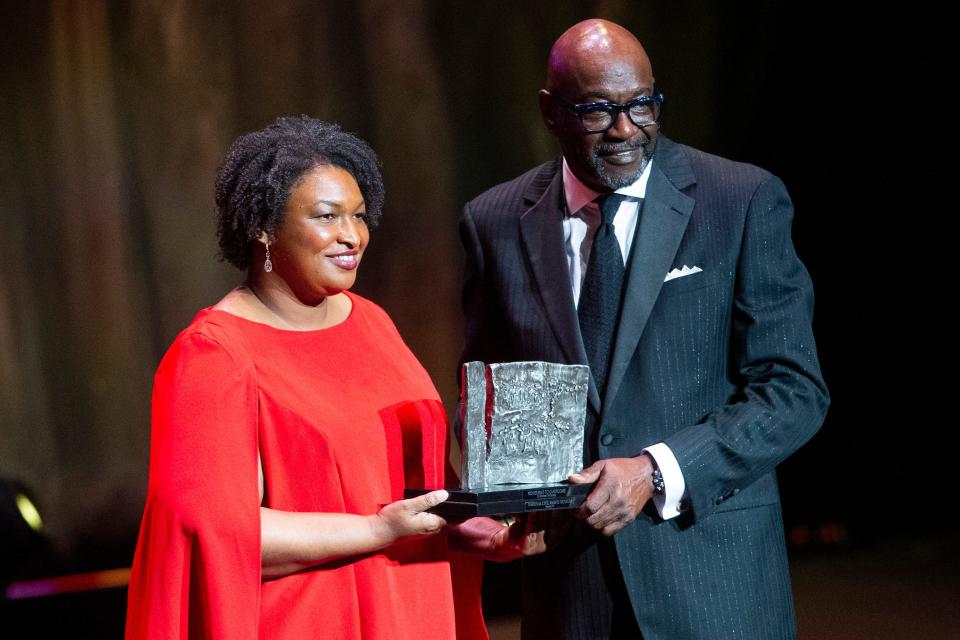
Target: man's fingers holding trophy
(622,488)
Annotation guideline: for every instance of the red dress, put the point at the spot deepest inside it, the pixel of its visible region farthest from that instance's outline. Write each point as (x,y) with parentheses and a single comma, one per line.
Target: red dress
(343,418)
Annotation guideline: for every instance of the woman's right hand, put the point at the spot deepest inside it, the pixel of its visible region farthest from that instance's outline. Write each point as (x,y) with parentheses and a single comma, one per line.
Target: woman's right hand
(292,541)
(410,518)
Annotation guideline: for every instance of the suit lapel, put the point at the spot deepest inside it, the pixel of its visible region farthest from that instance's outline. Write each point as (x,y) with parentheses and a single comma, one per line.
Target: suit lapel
(541,228)
(663,220)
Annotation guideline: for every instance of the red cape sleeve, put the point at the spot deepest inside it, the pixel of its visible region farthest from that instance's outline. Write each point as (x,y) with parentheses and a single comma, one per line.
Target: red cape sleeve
(466,573)
(196,573)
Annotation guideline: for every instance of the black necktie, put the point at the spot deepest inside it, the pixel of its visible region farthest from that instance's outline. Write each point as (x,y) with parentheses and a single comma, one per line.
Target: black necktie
(601,292)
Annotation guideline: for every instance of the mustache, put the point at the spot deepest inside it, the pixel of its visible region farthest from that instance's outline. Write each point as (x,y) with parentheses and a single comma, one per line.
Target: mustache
(619,147)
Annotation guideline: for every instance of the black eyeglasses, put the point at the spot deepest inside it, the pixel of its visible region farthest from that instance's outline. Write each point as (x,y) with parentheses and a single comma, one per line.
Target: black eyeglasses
(597,117)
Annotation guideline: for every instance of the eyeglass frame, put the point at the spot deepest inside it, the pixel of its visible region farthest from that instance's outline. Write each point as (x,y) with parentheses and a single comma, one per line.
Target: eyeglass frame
(614,109)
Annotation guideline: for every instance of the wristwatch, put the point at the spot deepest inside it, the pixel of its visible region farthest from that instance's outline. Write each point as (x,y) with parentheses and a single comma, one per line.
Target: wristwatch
(657,479)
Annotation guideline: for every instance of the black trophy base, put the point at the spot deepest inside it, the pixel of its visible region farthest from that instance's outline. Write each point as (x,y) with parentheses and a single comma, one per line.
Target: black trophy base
(507,499)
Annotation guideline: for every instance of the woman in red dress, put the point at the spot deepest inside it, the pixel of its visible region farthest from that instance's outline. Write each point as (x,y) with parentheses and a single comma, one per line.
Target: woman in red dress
(287,420)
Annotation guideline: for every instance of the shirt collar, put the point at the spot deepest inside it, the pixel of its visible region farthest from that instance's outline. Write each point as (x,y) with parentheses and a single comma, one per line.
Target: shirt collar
(578,194)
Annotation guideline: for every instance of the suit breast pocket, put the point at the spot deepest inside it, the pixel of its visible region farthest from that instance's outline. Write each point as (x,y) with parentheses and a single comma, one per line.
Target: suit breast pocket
(690,321)
(692,282)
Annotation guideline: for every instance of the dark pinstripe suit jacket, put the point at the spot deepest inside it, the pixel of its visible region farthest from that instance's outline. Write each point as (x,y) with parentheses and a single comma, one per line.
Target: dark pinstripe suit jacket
(721,365)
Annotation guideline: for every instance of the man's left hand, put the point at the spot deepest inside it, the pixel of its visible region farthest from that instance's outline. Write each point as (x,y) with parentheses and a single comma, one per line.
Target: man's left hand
(623,487)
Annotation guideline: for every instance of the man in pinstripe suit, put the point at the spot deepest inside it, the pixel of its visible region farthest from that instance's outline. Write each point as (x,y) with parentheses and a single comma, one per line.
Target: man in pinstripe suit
(683,292)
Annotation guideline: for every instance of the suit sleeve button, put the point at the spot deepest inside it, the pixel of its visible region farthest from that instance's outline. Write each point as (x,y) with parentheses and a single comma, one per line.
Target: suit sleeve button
(606,439)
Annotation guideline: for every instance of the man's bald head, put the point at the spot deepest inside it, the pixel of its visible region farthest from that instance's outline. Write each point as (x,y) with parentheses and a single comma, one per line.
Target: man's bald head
(596,61)
(595,48)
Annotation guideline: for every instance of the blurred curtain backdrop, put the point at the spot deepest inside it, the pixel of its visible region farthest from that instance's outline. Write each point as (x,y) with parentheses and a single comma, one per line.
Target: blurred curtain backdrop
(114,116)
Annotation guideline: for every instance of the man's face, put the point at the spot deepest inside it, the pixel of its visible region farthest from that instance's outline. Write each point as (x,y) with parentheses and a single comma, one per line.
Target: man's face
(615,158)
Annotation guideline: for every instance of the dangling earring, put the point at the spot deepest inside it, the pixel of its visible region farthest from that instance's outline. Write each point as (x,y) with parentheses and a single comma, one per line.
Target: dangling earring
(267,264)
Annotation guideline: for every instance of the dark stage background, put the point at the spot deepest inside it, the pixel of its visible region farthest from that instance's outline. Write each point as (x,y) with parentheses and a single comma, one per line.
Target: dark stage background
(114,116)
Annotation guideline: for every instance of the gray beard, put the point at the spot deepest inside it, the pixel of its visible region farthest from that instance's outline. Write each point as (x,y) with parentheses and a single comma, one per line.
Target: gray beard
(620,181)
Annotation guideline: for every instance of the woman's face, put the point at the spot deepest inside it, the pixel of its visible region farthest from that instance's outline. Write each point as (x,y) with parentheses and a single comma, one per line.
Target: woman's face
(324,233)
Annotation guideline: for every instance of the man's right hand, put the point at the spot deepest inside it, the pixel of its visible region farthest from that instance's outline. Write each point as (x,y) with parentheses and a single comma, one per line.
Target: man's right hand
(529,534)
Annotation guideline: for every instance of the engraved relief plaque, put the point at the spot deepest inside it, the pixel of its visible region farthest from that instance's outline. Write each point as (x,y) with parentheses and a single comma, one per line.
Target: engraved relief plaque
(522,435)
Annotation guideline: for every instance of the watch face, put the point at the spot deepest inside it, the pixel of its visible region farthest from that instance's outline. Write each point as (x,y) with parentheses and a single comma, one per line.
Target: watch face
(657,478)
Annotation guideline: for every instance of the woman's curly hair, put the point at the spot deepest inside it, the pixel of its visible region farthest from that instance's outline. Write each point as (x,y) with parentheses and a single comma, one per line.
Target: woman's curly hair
(262,167)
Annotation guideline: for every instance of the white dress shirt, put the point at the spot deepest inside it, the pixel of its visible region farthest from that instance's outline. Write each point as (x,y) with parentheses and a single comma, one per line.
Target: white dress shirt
(579,229)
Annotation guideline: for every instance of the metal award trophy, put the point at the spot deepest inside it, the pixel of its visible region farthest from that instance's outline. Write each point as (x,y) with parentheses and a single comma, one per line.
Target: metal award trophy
(522,435)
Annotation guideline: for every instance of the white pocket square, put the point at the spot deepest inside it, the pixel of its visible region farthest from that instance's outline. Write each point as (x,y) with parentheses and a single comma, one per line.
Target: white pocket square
(679,273)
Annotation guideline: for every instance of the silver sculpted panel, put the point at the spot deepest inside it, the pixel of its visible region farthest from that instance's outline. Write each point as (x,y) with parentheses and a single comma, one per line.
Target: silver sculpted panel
(522,422)
(473,437)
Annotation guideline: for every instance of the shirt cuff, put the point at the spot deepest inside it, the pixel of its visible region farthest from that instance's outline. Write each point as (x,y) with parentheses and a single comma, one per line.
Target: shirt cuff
(668,504)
